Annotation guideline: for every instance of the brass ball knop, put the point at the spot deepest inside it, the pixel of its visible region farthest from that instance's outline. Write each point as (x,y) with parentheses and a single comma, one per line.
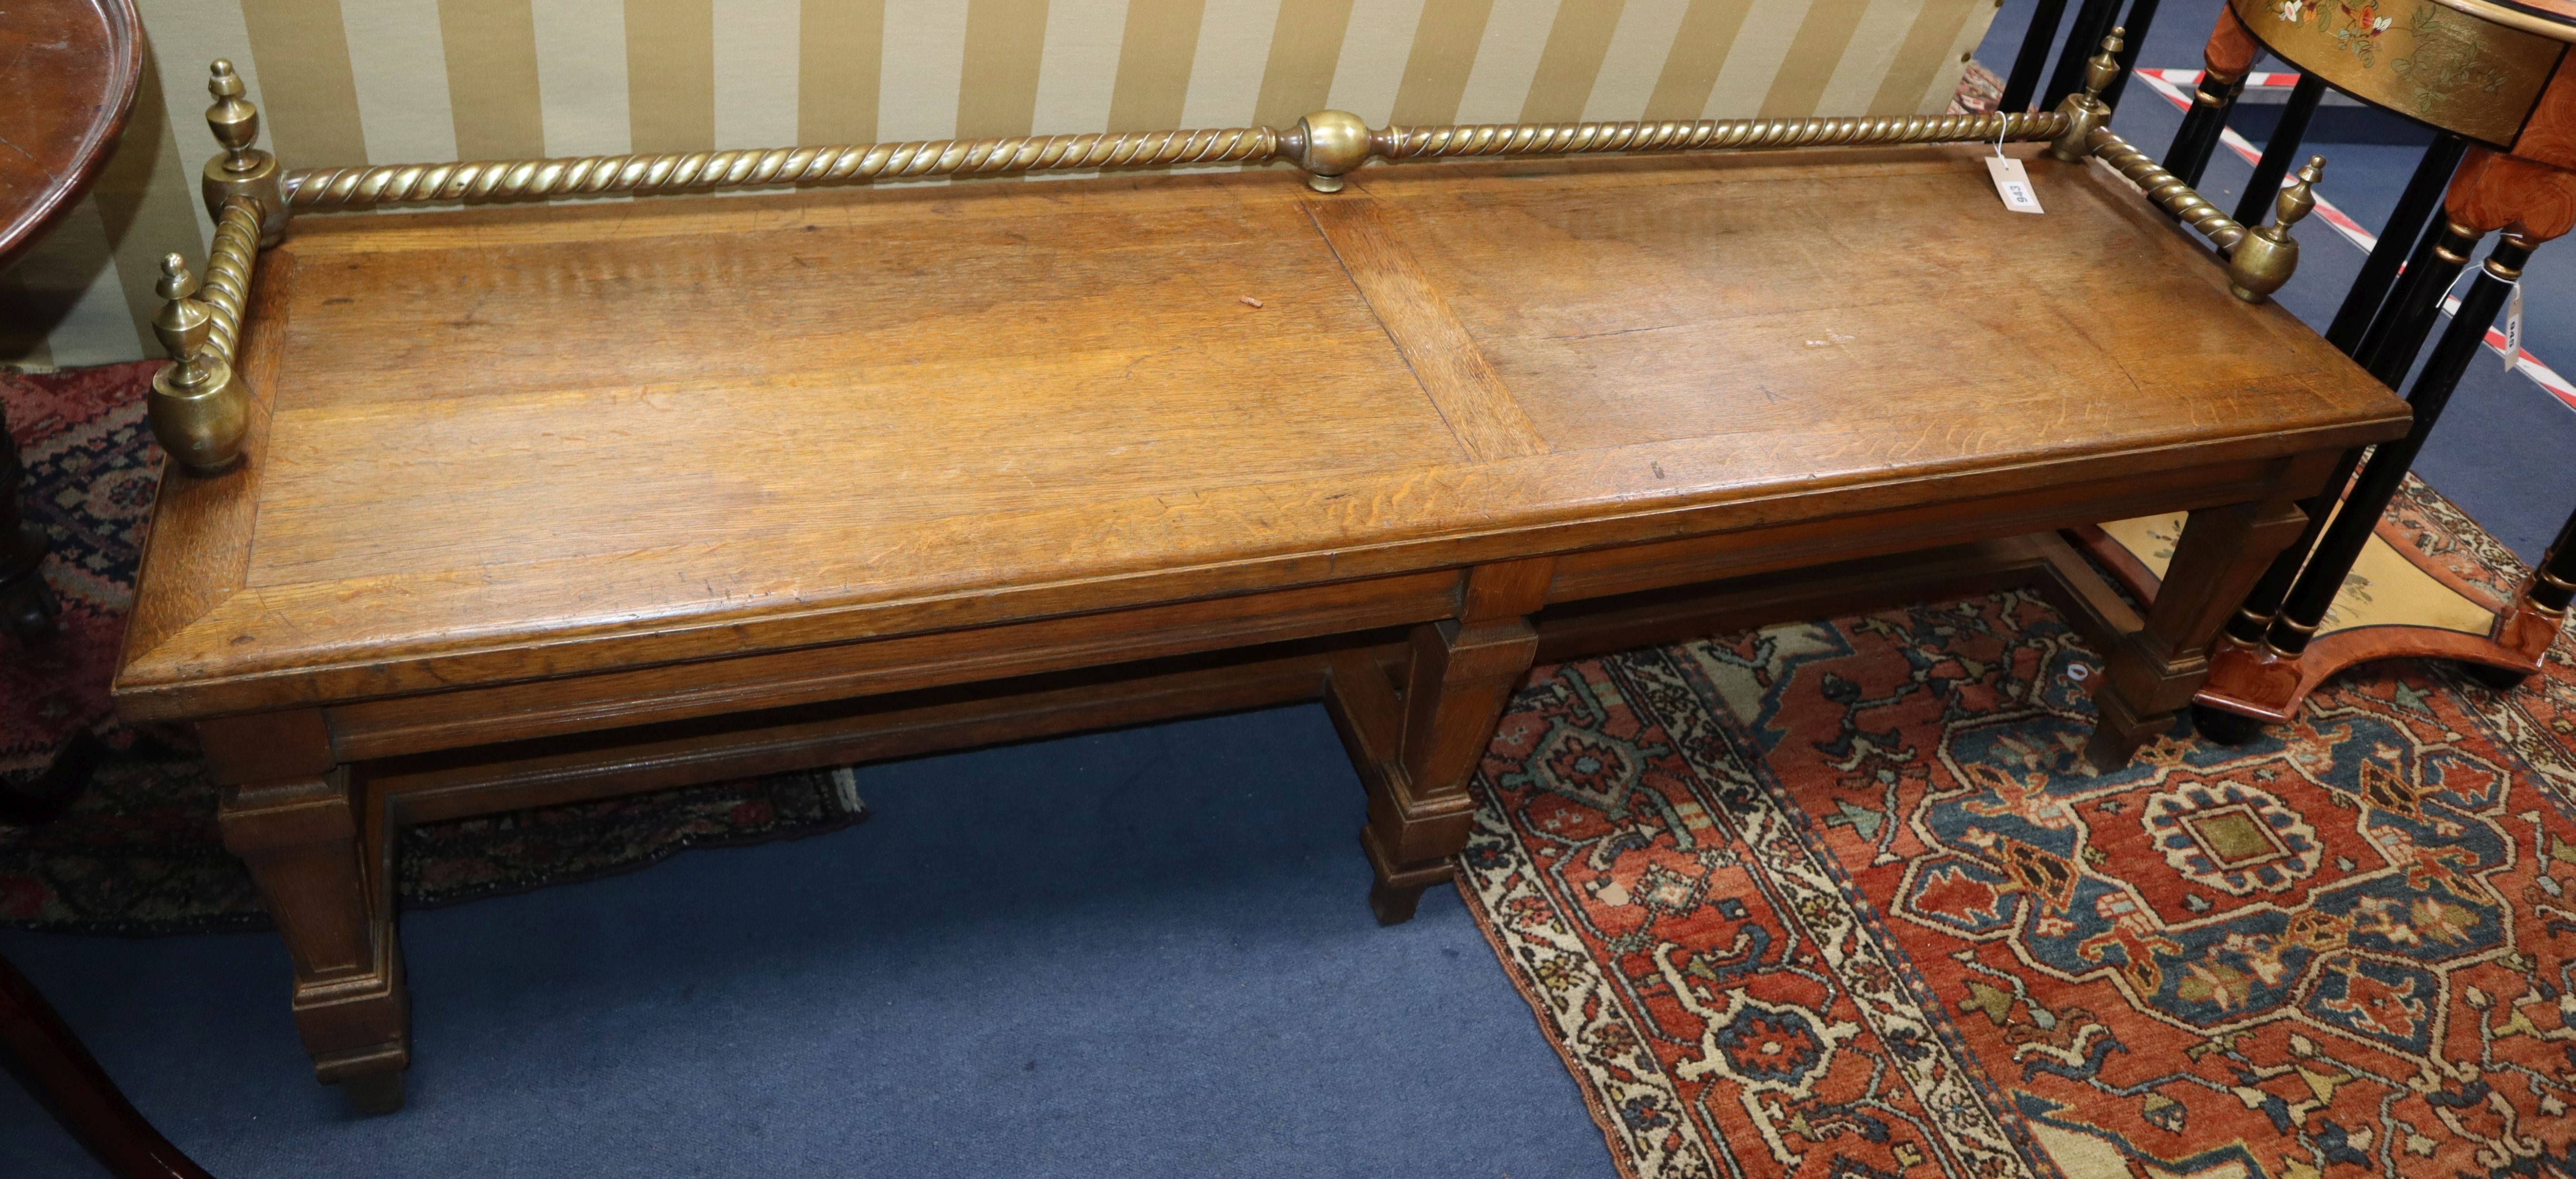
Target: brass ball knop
(1332,144)
(2265,258)
(197,410)
(176,282)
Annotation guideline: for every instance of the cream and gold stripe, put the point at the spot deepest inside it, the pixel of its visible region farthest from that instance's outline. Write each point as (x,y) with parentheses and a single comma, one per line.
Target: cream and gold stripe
(1078,73)
(346,82)
(1647,36)
(1377,52)
(492,78)
(1505,60)
(398,68)
(756,74)
(840,67)
(581,77)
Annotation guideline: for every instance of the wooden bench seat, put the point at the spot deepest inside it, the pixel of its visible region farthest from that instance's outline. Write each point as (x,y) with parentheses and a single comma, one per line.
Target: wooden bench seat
(563,501)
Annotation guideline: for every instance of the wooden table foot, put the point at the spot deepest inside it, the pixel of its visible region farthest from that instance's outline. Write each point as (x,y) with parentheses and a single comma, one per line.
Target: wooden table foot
(320,862)
(1416,753)
(1393,895)
(2155,670)
(371,1094)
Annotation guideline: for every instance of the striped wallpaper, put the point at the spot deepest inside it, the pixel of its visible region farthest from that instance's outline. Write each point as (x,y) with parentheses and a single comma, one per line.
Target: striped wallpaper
(383,81)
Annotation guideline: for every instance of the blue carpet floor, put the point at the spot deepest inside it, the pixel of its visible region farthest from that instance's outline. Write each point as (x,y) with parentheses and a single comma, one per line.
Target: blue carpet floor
(1141,953)
(1138,953)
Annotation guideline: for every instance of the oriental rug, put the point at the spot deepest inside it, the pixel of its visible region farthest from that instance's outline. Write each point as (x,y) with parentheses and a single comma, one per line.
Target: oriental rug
(1831,899)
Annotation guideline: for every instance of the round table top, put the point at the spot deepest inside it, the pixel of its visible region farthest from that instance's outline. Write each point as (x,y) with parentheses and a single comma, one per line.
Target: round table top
(2549,18)
(68,69)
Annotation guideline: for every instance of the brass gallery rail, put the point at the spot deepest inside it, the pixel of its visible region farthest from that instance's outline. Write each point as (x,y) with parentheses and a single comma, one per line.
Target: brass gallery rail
(252,198)
(1320,143)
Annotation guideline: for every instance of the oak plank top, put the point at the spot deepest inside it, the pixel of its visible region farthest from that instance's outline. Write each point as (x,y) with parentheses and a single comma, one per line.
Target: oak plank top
(509,443)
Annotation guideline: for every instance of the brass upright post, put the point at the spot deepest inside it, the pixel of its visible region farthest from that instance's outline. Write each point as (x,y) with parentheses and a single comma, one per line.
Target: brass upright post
(2086,112)
(2264,260)
(243,171)
(199,412)
(2259,261)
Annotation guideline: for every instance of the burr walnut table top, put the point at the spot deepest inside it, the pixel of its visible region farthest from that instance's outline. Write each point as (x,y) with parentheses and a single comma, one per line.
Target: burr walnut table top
(68,71)
(515,444)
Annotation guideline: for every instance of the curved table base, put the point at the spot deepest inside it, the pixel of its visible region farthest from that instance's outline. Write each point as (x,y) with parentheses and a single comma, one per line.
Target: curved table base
(2411,608)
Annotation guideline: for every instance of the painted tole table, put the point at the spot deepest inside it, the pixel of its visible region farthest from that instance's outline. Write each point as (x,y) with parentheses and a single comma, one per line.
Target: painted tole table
(544,502)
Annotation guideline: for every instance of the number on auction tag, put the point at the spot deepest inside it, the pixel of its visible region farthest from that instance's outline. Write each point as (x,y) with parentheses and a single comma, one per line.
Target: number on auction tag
(2012,183)
(2513,329)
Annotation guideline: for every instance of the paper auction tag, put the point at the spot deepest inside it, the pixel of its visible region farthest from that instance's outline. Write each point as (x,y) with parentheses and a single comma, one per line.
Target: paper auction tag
(2012,182)
(2513,328)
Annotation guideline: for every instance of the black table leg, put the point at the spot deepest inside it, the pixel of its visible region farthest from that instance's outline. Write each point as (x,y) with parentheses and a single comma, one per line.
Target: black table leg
(54,1066)
(2188,156)
(2027,64)
(2397,332)
(2397,239)
(2552,588)
(2277,150)
(26,606)
(2314,592)
(2092,23)
(2142,16)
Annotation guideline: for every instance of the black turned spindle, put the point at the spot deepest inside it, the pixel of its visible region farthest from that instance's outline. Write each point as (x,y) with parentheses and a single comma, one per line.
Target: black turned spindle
(2202,125)
(2091,22)
(2553,584)
(2397,238)
(2318,584)
(2254,618)
(2389,348)
(2142,15)
(2410,276)
(2277,150)
(2027,64)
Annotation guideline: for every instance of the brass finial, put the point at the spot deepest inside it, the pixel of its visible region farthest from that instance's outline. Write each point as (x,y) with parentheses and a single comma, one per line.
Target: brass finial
(2299,198)
(197,411)
(2086,112)
(243,170)
(1329,145)
(182,323)
(2261,263)
(2100,68)
(233,119)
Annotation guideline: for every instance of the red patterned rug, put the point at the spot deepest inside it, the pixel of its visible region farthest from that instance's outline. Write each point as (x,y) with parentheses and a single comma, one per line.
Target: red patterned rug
(1829,900)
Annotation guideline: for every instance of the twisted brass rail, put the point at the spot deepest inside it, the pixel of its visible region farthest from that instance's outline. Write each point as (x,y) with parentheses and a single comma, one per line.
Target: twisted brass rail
(229,263)
(2165,189)
(1513,139)
(339,188)
(331,188)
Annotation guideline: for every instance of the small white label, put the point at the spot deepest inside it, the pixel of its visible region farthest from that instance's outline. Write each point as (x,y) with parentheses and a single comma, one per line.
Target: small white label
(2513,329)
(2013,184)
